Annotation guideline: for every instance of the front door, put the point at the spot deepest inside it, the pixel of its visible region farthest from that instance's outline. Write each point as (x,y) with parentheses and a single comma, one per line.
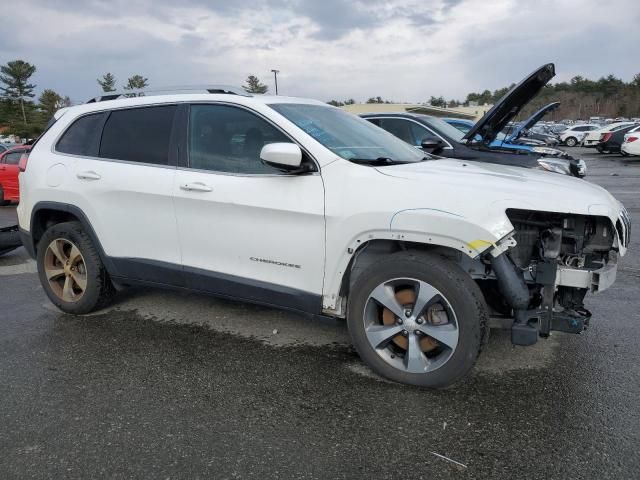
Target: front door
(246,229)
(9,174)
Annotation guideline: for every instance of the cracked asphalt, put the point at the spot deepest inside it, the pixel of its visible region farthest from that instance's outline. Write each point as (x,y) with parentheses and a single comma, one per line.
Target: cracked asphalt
(175,385)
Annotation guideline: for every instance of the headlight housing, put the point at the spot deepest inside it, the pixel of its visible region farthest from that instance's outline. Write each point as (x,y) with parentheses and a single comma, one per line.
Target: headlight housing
(556,166)
(547,151)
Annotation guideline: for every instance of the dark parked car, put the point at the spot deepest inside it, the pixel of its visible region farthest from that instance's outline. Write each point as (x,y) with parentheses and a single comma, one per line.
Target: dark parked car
(438,137)
(610,142)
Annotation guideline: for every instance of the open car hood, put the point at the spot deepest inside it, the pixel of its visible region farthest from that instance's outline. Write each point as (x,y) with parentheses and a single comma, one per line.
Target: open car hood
(510,105)
(532,120)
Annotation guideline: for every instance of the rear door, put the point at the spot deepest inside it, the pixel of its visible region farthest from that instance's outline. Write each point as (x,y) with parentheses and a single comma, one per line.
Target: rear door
(9,173)
(122,180)
(247,229)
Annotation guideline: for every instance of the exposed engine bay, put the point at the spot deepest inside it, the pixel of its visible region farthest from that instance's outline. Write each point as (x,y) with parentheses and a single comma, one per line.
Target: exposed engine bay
(542,280)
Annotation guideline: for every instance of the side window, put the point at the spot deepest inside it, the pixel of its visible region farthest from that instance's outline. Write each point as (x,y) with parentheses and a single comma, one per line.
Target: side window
(421,133)
(12,158)
(400,128)
(229,139)
(83,136)
(138,135)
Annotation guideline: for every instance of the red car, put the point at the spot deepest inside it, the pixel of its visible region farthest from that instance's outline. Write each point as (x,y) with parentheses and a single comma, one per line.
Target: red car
(9,190)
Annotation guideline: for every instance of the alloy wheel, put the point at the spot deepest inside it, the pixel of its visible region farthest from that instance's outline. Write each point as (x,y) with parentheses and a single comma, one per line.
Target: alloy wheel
(411,325)
(65,269)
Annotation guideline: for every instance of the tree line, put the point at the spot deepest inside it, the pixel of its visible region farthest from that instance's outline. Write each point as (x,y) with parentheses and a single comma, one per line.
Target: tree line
(24,116)
(580,97)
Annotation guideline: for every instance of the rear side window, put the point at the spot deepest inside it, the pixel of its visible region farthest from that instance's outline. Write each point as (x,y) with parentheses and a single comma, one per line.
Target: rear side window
(138,135)
(83,136)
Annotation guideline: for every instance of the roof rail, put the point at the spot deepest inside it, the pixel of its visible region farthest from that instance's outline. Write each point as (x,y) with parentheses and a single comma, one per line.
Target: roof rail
(224,89)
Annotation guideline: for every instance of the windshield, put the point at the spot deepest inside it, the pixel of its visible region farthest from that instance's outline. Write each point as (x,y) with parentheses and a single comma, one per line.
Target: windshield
(347,135)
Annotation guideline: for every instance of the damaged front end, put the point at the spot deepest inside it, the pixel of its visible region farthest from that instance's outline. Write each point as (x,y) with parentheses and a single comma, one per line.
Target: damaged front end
(539,275)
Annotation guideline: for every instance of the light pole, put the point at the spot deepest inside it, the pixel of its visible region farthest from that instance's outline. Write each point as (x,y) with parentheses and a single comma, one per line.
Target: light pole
(275,76)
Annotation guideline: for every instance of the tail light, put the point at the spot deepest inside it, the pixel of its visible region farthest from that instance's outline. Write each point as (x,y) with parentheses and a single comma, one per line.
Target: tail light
(605,137)
(22,164)
(631,139)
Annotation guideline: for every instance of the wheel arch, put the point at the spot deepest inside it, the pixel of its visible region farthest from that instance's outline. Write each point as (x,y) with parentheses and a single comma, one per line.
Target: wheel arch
(46,214)
(370,251)
(449,234)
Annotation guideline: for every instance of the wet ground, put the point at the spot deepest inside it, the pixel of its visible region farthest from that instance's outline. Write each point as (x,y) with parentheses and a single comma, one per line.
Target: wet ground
(171,385)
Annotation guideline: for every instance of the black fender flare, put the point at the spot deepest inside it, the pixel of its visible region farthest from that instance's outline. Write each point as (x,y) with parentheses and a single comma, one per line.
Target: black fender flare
(30,243)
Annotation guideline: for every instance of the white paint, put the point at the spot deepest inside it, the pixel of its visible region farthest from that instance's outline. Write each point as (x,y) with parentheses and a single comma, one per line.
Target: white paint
(314,221)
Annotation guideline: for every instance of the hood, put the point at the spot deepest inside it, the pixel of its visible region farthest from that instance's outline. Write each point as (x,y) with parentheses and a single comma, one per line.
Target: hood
(532,120)
(510,105)
(489,186)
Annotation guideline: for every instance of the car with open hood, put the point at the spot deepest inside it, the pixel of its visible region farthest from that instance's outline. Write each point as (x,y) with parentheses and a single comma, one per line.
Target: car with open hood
(524,129)
(483,141)
(436,136)
(299,205)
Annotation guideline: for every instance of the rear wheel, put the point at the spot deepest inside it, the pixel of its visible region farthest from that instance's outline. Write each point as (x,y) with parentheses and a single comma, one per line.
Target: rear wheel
(417,319)
(71,272)
(571,142)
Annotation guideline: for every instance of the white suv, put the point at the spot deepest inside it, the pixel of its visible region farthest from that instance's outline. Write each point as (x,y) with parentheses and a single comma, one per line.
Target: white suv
(296,204)
(573,135)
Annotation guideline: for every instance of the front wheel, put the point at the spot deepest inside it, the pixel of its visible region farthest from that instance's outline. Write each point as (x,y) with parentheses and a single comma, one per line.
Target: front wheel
(417,318)
(71,272)
(571,142)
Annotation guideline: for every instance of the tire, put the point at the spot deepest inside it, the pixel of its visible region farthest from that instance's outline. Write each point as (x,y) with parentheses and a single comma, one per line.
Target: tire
(82,269)
(461,306)
(571,142)
(600,150)
(3,202)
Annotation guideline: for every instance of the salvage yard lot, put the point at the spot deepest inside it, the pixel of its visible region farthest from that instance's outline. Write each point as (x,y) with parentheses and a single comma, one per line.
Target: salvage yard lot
(179,385)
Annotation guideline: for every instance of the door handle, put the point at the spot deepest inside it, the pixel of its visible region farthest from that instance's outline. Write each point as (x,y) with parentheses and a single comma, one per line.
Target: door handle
(88,176)
(196,187)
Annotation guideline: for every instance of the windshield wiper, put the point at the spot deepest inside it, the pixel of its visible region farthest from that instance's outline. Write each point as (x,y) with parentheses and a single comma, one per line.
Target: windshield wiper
(382,161)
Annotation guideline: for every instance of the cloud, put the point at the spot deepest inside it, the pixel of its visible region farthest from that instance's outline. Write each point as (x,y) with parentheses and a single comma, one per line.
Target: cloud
(405,50)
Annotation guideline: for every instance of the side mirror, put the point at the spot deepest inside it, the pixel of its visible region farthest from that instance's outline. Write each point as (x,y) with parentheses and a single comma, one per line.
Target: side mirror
(432,144)
(286,156)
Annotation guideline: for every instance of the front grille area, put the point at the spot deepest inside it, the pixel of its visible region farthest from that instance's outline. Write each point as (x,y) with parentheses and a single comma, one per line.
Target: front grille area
(623,225)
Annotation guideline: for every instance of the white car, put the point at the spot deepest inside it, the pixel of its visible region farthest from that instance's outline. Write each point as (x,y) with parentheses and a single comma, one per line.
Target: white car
(296,204)
(574,134)
(631,143)
(592,138)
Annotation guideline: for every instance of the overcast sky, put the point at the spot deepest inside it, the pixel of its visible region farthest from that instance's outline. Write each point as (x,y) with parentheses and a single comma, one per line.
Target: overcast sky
(406,50)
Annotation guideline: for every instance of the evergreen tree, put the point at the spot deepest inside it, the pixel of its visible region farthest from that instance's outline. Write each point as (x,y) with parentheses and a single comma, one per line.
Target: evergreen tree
(136,82)
(254,85)
(49,102)
(107,82)
(14,76)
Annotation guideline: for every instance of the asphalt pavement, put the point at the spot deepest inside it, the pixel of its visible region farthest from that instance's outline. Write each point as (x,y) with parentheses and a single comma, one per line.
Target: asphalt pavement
(175,385)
